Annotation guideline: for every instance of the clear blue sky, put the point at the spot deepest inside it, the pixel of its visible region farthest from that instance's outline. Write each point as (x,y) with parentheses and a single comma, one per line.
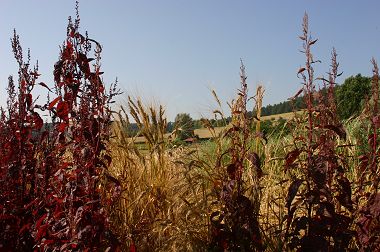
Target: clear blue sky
(173,52)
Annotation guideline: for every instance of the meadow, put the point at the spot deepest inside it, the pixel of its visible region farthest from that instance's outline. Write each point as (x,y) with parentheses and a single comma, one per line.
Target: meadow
(81,183)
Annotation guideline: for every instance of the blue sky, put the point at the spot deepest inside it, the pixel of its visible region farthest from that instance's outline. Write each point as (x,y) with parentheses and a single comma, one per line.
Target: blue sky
(174,52)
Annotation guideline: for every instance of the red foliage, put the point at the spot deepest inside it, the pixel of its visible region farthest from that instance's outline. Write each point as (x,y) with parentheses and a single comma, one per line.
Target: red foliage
(50,175)
(316,221)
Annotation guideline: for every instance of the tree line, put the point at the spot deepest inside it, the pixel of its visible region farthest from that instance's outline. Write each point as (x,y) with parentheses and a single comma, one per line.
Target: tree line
(351,97)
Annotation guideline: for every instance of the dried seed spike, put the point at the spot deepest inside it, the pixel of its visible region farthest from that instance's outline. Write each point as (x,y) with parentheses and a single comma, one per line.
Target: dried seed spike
(313,42)
(216,97)
(301,70)
(296,95)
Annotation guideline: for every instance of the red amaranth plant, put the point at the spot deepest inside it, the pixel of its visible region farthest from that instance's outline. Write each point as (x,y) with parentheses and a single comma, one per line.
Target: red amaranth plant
(55,175)
(19,139)
(319,217)
(235,227)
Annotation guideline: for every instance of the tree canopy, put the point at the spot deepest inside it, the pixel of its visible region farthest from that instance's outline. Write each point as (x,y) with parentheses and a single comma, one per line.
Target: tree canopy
(351,95)
(184,126)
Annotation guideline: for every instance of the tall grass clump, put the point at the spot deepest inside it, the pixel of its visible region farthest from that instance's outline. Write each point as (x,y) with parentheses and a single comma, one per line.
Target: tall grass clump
(162,202)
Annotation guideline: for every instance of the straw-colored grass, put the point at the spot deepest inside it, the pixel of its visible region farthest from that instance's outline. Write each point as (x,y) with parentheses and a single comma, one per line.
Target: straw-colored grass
(163,202)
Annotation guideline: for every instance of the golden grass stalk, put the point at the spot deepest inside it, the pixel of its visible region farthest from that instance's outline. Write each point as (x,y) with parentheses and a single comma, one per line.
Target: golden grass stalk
(162,205)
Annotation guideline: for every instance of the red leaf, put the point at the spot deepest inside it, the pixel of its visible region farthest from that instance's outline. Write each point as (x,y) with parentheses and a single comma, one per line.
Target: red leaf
(231,170)
(132,247)
(114,180)
(255,163)
(44,85)
(23,85)
(52,104)
(83,64)
(68,50)
(62,126)
(296,95)
(29,99)
(40,220)
(59,200)
(339,130)
(313,42)
(292,192)
(291,157)
(38,122)
(344,197)
(41,231)
(68,97)
(48,242)
(69,45)
(63,110)
(301,70)
(7,217)
(24,228)
(58,71)
(108,159)
(57,213)
(72,33)
(101,88)
(30,204)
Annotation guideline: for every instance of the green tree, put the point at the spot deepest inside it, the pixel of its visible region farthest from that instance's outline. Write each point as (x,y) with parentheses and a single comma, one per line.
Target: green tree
(170,127)
(184,126)
(351,95)
(198,124)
